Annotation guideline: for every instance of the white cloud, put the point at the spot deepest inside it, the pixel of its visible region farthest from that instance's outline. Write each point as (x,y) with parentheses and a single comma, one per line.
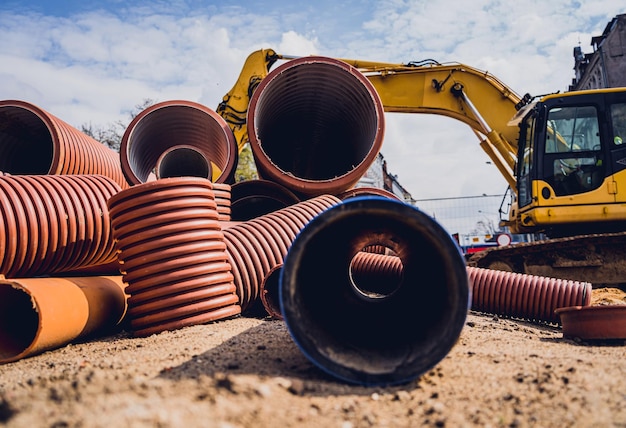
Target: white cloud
(95,66)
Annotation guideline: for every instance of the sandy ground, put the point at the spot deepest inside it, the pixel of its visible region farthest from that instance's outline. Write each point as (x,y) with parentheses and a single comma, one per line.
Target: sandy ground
(247,372)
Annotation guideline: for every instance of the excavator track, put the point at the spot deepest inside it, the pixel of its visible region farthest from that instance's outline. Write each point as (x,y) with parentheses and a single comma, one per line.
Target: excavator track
(596,258)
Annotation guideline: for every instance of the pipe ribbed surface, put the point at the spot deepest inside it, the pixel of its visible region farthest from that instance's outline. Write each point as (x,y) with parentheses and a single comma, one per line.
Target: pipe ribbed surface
(162,126)
(35,142)
(254,198)
(367,336)
(315,125)
(54,223)
(256,246)
(222,194)
(529,297)
(38,314)
(183,161)
(172,254)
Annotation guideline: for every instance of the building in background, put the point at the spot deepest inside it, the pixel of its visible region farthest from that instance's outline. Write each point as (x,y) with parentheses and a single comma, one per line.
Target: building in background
(605,67)
(377,176)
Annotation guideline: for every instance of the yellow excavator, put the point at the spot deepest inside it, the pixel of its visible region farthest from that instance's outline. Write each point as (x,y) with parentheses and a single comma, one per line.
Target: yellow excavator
(563,156)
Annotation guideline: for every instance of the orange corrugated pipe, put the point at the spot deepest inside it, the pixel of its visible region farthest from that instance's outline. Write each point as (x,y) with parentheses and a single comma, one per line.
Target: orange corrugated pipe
(172,255)
(257,246)
(529,297)
(54,223)
(33,141)
(158,128)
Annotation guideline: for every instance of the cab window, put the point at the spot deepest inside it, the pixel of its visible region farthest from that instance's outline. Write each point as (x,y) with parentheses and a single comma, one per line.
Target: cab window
(618,121)
(573,157)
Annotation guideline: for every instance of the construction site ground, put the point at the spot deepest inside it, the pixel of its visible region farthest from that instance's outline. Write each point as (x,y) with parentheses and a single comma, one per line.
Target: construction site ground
(247,372)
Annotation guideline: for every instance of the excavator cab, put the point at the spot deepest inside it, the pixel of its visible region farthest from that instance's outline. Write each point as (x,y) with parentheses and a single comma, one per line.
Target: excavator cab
(571,163)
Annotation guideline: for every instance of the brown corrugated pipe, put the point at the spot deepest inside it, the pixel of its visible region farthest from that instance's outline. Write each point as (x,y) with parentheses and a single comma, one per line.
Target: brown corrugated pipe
(254,198)
(162,126)
(256,246)
(54,223)
(269,292)
(35,142)
(222,194)
(528,297)
(383,336)
(39,314)
(315,125)
(183,161)
(375,272)
(366,191)
(172,254)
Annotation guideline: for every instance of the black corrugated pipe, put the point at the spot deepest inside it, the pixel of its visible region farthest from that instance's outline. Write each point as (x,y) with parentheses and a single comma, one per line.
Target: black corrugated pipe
(366,336)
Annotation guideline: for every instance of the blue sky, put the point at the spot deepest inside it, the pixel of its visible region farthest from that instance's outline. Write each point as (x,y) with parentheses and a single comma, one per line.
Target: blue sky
(93,61)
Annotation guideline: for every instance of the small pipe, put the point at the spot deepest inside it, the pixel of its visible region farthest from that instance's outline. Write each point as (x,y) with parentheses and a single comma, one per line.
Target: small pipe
(269,292)
(528,297)
(39,314)
(183,161)
(365,336)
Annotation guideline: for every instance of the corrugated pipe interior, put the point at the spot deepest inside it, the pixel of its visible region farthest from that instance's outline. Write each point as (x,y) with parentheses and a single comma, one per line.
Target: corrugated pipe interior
(254,198)
(162,126)
(365,334)
(315,125)
(183,161)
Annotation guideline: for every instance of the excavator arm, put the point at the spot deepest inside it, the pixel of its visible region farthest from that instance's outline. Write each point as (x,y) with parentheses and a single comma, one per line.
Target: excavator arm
(474,97)
(234,105)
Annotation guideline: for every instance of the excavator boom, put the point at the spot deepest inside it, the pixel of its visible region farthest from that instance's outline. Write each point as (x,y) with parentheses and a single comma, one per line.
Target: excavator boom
(428,87)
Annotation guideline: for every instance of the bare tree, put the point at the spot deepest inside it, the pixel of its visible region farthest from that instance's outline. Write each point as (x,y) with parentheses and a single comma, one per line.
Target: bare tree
(111,135)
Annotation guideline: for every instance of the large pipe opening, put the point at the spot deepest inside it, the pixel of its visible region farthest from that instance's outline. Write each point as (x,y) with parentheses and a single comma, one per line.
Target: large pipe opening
(315,125)
(364,334)
(26,145)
